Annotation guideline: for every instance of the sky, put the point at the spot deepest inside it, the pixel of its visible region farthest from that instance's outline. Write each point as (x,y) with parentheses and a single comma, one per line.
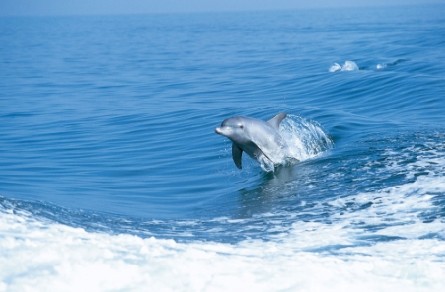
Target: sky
(81,7)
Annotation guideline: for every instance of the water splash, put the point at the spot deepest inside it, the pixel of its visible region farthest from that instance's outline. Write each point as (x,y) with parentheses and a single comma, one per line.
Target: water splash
(353,66)
(381,66)
(347,66)
(305,138)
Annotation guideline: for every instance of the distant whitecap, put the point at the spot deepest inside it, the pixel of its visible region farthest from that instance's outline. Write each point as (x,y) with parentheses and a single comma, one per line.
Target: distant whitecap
(347,66)
(335,67)
(381,66)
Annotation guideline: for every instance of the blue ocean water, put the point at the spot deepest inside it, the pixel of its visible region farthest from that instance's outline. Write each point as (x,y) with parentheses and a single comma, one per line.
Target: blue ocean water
(107,124)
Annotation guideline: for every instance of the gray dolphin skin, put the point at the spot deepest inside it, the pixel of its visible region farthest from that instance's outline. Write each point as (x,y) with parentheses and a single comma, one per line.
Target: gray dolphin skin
(259,139)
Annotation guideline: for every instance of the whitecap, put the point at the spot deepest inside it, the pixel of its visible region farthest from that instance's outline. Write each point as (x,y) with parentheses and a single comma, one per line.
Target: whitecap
(347,66)
(335,67)
(381,66)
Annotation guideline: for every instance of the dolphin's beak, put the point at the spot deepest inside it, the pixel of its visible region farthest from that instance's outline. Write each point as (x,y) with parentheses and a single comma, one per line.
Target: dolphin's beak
(224,131)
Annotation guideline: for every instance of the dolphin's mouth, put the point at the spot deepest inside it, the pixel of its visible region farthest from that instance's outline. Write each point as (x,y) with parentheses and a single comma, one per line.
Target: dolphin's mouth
(218,131)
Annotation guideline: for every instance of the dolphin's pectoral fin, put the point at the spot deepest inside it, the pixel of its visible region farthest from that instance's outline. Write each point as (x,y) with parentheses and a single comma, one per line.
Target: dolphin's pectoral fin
(237,153)
(265,163)
(259,153)
(276,120)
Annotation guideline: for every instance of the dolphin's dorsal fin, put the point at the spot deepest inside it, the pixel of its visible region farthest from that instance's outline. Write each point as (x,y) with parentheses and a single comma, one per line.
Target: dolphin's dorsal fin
(237,153)
(276,120)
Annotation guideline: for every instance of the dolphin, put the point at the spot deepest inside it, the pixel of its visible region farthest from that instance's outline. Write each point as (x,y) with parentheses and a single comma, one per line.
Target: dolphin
(261,140)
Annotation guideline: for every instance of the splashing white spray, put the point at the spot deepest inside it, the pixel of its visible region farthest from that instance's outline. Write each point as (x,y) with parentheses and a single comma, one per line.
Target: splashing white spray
(347,66)
(305,139)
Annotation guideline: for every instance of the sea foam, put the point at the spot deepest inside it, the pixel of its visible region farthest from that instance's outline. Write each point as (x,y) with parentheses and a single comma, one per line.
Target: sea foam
(37,254)
(377,240)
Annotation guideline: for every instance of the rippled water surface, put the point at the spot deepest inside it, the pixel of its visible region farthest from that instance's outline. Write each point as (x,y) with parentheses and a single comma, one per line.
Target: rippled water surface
(107,124)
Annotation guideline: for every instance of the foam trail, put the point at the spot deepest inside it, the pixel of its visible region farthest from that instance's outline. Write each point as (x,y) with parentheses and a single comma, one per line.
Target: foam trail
(43,256)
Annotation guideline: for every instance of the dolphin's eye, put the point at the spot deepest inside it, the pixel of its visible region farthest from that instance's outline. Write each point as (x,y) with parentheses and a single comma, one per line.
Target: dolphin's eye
(241,126)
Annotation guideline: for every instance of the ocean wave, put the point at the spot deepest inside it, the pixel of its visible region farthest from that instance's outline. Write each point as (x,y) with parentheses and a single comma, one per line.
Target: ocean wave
(311,191)
(350,237)
(343,254)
